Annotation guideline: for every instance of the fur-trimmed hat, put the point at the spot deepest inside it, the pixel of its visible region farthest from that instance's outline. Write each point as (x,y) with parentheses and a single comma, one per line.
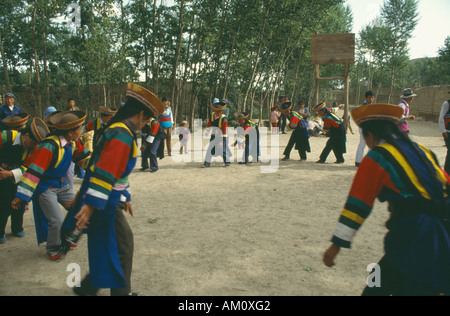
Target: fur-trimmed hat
(107,111)
(17,120)
(219,106)
(48,116)
(378,111)
(39,129)
(145,97)
(241,115)
(67,120)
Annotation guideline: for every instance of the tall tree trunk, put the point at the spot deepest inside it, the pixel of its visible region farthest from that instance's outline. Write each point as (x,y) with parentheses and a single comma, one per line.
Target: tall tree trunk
(5,66)
(36,61)
(175,101)
(46,87)
(230,57)
(255,66)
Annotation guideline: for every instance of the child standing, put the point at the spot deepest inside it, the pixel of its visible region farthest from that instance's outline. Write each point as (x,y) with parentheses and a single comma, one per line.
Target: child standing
(184,137)
(274,117)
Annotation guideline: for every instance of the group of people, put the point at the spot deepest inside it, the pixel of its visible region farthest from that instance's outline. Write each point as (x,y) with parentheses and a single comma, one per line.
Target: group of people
(36,155)
(302,128)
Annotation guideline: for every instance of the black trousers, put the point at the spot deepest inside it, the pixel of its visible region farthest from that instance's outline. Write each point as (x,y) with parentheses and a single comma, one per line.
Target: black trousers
(335,144)
(125,244)
(290,145)
(8,191)
(282,123)
(447,158)
(393,283)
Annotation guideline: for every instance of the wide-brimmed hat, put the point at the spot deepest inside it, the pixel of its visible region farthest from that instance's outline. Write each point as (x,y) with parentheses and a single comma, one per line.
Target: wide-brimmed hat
(408,93)
(219,105)
(107,111)
(48,116)
(378,111)
(241,115)
(145,97)
(39,129)
(67,120)
(319,106)
(16,120)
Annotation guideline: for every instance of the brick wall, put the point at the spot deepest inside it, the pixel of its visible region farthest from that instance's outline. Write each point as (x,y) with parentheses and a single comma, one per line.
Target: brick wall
(427,104)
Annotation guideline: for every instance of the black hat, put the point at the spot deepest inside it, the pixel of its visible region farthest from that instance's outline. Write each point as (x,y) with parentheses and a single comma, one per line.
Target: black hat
(370,94)
(286,105)
(408,93)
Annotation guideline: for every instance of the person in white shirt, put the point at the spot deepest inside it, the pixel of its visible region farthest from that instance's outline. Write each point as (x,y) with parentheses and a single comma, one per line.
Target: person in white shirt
(370,97)
(444,126)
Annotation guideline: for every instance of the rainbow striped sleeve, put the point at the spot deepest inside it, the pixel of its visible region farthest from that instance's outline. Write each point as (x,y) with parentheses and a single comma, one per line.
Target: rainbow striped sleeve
(154,128)
(40,162)
(331,121)
(372,175)
(294,120)
(81,155)
(109,166)
(7,137)
(224,127)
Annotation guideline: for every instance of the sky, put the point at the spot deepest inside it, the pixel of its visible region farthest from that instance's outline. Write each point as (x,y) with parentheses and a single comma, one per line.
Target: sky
(430,34)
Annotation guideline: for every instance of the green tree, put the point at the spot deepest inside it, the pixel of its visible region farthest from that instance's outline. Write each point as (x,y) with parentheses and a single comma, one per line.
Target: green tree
(400,19)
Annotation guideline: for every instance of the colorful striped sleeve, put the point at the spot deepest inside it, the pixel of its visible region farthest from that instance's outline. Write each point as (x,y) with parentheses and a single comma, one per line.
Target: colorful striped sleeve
(23,168)
(154,128)
(224,127)
(109,166)
(7,137)
(331,121)
(89,126)
(294,121)
(41,159)
(369,180)
(81,155)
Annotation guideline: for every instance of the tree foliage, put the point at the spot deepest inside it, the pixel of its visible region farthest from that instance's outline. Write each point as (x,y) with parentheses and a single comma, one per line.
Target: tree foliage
(248,51)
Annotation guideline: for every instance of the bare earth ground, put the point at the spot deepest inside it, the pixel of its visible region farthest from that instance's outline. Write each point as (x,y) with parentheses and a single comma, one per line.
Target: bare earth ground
(228,231)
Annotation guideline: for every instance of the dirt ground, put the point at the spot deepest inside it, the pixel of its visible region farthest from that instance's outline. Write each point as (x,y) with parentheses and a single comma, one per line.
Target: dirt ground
(236,231)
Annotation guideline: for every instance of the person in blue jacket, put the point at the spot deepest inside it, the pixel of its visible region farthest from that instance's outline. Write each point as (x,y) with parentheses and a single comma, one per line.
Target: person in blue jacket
(8,109)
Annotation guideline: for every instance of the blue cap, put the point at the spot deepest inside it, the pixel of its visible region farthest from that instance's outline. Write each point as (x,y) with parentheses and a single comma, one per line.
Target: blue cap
(10,95)
(50,110)
(224,101)
(215,101)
